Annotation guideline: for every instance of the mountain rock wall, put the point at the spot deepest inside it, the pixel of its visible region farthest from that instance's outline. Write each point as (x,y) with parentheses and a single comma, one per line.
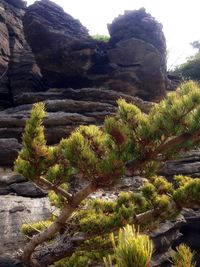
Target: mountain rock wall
(133,61)
(18,70)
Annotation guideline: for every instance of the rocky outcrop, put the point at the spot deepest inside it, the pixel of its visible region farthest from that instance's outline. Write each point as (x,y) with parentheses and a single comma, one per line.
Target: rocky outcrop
(9,148)
(164,237)
(138,47)
(21,202)
(133,60)
(66,110)
(15,211)
(18,70)
(188,164)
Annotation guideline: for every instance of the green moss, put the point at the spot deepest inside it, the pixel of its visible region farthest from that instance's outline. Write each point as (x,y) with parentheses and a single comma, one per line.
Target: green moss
(101,37)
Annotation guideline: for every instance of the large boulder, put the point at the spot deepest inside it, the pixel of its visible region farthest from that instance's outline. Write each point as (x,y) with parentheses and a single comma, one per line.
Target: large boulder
(138,47)
(62,46)
(18,70)
(133,61)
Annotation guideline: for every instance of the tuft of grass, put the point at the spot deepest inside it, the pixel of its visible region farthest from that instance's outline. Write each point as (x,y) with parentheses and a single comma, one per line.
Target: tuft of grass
(131,250)
(33,228)
(183,257)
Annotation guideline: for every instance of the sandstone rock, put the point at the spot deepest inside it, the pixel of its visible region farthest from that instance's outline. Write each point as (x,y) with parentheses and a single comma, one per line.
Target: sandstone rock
(14,212)
(84,94)
(188,164)
(66,110)
(17,3)
(174,81)
(140,25)
(27,189)
(8,151)
(164,238)
(133,61)
(18,70)
(9,179)
(139,48)
(6,261)
(62,46)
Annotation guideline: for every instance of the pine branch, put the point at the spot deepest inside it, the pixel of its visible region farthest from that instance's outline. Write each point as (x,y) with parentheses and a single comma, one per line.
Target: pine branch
(132,166)
(56,226)
(42,182)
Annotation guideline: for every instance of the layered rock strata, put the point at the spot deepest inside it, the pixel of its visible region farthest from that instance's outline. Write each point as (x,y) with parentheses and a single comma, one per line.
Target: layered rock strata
(66,110)
(18,70)
(133,61)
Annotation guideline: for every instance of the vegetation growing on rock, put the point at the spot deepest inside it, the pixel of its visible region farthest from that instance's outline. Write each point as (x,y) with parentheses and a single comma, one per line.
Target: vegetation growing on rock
(129,143)
(101,37)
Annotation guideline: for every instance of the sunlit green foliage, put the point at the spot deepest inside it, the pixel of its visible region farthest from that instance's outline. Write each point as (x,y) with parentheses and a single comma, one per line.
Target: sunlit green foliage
(188,193)
(92,152)
(32,228)
(81,259)
(183,257)
(130,141)
(101,37)
(132,249)
(101,215)
(35,154)
(190,69)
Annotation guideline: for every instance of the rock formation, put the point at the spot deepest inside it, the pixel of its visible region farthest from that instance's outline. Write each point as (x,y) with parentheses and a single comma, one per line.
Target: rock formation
(133,61)
(87,77)
(66,109)
(18,70)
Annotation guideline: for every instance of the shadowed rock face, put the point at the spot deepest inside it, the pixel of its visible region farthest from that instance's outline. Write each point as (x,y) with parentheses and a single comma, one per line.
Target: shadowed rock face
(133,61)
(62,46)
(18,70)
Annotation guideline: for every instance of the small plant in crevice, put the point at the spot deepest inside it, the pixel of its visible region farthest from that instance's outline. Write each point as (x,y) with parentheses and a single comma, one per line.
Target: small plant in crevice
(184,257)
(131,249)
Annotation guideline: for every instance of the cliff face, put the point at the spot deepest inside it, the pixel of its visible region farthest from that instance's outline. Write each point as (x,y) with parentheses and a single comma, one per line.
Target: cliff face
(18,70)
(133,61)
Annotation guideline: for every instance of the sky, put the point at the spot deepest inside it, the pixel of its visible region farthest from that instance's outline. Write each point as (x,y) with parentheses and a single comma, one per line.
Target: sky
(180,20)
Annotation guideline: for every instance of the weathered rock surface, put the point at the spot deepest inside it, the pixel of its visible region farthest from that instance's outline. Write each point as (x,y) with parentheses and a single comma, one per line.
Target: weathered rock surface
(18,70)
(9,148)
(66,110)
(164,238)
(138,46)
(133,61)
(21,202)
(188,164)
(15,184)
(14,212)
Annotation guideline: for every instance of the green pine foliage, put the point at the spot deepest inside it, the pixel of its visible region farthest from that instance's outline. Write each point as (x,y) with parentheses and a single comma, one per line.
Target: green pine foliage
(131,249)
(130,142)
(183,257)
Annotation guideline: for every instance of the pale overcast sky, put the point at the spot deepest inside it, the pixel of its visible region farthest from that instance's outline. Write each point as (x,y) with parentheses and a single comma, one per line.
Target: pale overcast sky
(180,19)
